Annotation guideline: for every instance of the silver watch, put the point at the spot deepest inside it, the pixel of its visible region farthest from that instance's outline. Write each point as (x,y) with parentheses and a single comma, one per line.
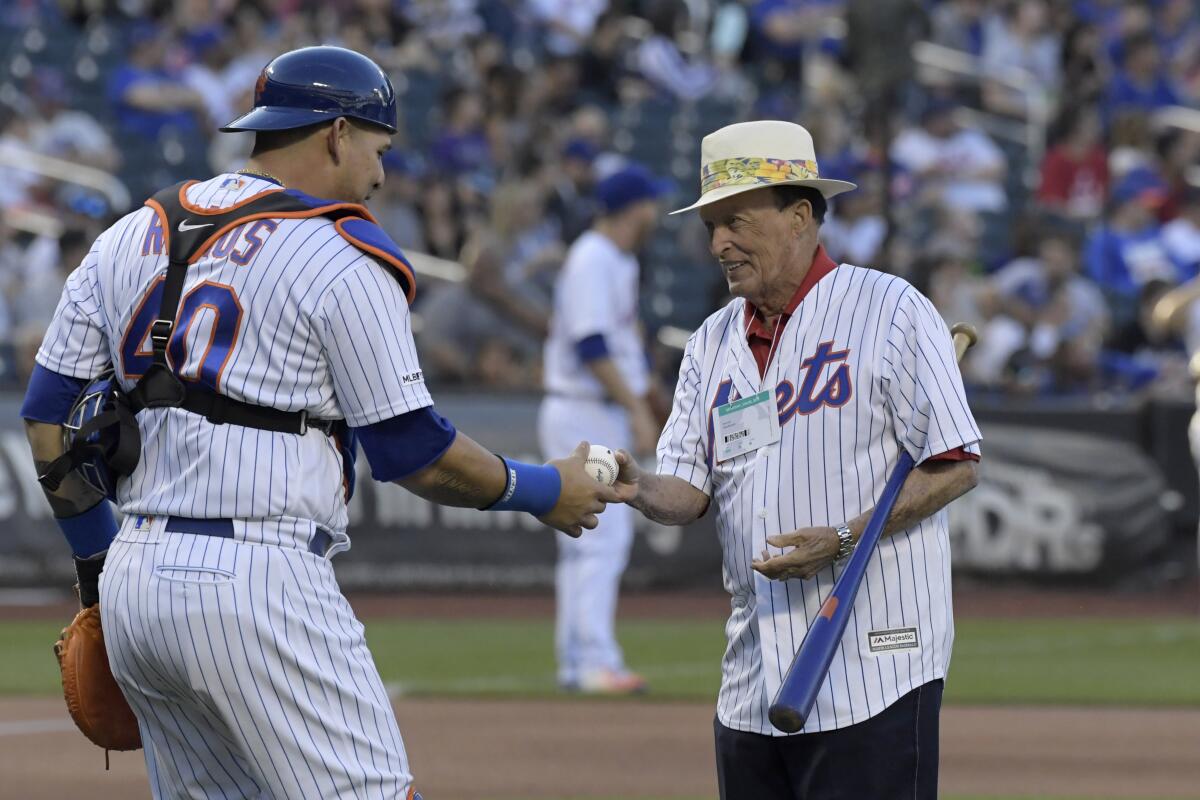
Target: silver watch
(845,543)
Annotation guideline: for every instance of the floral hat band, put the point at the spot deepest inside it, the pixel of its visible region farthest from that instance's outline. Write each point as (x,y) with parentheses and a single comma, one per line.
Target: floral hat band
(755,171)
(732,161)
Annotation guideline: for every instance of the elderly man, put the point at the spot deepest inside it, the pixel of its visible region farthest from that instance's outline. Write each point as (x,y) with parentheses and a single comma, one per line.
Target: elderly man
(794,402)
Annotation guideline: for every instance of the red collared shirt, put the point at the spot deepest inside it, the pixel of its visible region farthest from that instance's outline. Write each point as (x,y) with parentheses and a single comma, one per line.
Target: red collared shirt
(761,340)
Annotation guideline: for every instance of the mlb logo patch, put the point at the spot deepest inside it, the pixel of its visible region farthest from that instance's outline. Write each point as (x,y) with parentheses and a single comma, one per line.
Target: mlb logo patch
(142,522)
(232,183)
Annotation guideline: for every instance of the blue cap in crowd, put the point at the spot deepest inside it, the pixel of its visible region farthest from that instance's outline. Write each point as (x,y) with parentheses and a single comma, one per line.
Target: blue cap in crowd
(938,107)
(143,32)
(630,184)
(201,40)
(404,163)
(1141,184)
(580,149)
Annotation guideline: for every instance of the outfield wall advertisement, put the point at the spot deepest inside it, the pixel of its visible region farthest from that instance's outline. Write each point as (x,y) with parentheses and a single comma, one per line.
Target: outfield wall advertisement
(1065,506)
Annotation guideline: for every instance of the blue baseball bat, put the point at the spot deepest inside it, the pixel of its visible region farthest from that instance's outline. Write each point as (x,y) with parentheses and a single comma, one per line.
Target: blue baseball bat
(799,689)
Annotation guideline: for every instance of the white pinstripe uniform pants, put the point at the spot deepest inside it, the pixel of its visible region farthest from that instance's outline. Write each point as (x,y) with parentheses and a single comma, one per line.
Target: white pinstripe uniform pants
(247,670)
(588,575)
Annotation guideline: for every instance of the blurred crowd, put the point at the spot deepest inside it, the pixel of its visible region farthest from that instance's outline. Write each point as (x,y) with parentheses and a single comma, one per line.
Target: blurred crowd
(1031,165)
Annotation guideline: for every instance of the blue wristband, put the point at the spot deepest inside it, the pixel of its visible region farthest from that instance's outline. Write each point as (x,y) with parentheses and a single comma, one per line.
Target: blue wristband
(530,487)
(92,531)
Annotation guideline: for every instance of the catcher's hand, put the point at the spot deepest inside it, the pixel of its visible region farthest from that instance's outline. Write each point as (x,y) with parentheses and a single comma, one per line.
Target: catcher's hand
(93,697)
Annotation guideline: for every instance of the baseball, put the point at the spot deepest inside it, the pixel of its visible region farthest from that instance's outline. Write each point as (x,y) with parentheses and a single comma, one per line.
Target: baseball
(602,465)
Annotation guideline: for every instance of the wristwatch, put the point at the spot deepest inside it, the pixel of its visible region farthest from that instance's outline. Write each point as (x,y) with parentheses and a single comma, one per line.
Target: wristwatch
(845,543)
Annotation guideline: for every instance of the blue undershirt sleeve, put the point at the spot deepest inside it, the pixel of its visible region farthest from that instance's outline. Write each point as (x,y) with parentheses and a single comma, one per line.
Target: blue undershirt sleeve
(50,396)
(399,446)
(590,348)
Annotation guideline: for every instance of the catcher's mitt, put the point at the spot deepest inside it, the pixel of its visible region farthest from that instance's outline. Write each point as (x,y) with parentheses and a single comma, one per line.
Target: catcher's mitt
(93,697)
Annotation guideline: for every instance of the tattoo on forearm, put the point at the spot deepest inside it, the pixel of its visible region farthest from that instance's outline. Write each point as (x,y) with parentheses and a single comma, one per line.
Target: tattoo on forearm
(453,488)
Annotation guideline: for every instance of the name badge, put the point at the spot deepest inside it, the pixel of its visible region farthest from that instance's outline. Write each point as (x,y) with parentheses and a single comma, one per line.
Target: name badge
(745,425)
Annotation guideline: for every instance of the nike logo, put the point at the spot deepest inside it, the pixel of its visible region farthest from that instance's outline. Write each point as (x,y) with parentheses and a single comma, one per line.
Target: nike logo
(184,227)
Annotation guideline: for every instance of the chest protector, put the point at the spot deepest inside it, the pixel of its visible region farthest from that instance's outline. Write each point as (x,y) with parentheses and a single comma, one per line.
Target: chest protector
(104,437)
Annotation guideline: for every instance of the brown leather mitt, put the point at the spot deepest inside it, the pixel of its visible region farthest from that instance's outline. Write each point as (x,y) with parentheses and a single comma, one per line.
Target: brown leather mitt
(95,701)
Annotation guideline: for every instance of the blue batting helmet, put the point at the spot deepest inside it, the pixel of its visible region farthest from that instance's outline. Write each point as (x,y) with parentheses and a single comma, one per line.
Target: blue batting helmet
(318,84)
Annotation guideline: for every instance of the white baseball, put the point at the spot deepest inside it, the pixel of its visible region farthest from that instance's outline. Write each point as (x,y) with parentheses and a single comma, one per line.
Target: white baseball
(602,464)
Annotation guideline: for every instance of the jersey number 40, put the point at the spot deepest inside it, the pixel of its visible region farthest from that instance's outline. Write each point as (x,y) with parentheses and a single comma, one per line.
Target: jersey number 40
(206,329)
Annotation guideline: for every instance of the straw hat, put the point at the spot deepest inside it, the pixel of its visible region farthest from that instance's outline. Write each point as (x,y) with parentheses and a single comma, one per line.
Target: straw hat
(754,155)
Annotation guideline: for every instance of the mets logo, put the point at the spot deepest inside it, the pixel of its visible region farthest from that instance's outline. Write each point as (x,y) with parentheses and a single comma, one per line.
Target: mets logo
(826,382)
(834,392)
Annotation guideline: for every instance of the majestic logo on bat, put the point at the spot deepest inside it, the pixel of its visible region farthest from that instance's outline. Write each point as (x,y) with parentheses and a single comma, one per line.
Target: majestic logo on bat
(826,382)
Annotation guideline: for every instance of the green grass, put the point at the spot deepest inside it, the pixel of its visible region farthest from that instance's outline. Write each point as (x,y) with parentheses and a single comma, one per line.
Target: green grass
(680,659)
(1076,662)
(27,664)
(1081,662)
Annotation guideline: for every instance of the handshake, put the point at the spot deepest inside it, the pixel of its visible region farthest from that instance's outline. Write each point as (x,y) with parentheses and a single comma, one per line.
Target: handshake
(592,477)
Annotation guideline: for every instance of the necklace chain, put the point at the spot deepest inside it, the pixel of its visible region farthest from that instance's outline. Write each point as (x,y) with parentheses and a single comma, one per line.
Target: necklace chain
(260,173)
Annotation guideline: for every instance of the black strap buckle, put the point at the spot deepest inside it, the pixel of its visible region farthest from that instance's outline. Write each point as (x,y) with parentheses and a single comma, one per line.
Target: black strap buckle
(160,332)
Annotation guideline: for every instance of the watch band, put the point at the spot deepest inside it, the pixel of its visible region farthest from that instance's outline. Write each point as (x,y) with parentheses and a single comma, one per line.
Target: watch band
(845,543)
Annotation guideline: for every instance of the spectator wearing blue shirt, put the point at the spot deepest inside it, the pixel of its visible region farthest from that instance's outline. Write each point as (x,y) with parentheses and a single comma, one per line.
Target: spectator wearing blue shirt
(959,24)
(461,146)
(1128,251)
(663,65)
(1140,84)
(570,202)
(1020,45)
(781,29)
(1182,234)
(147,99)
(1177,28)
(1055,318)
(1097,12)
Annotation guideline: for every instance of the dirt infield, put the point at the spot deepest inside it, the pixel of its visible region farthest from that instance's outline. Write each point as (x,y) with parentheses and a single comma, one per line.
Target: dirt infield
(969,601)
(554,749)
(547,749)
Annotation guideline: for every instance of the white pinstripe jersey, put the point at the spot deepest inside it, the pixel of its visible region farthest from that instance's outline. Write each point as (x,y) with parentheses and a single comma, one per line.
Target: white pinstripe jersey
(596,293)
(863,367)
(282,313)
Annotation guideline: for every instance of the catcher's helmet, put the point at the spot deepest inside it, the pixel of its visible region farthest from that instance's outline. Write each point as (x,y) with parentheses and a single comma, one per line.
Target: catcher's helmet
(95,399)
(317,84)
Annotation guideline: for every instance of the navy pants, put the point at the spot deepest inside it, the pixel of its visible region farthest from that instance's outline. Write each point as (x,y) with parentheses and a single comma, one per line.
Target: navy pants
(891,756)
